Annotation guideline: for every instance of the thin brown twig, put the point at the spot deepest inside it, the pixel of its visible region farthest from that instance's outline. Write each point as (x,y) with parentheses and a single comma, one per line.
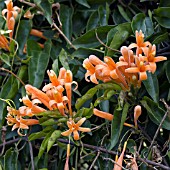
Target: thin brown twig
(31,155)
(68,41)
(160,125)
(101,42)
(4,69)
(28,3)
(96,148)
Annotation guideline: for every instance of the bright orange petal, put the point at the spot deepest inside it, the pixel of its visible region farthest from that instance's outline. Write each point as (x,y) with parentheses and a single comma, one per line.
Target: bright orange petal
(81,121)
(132,70)
(152,66)
(142,76)
(66,133)
(137,113)
(113,74)
(93,79)
(76,135)
(82,129)
(159,58)
(102,114)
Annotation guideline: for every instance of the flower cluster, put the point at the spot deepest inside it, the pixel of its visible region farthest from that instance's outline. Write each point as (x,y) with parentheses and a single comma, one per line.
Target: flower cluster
(11,13)
(52,97)
(130,69)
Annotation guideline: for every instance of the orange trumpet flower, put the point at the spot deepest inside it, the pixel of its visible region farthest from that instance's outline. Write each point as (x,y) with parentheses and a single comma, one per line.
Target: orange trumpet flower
(31,107)
(75,127)
(140,44)
(4,43)
(20,123)
(12,13)
(137,113)
(118,165)
(38,94)
(140,68)
(150,53)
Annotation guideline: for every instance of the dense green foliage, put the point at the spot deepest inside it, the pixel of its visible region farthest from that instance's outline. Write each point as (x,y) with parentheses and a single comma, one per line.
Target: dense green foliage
(73,30)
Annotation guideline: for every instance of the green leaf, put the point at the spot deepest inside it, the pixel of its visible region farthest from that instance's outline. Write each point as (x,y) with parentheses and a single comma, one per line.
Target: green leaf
(46,7)
(66,14)
(63,57)
(38,63)
(117,125)
(48,122)
(155,112)
(89,40)
(9,91)
(103,15)
(54,136)
(152,86)
(22,34)
(90,93)
(86,52)
(11,159)
(93,21)
(123,13)
(124,115)
(44,144)
(162,16)
(36,135)
(51,113)
(160,38)
(5,58)
(167,69)
(115,129)
(164,3)
(85,112)
(141,22)
(117,36)
(83,2)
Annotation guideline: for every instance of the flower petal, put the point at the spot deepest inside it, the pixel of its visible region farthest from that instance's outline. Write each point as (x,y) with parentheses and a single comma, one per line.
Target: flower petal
(102,114)
(82,129)
(76,135)
(81,121)
(66,133)
(142,75)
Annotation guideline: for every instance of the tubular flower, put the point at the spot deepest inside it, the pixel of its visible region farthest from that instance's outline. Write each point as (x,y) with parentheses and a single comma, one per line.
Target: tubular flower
(75,127)
(150,53)
(38,94)
(37,33)
(137,113)
(4,43)
(15,119)
(12,13)
(57,87)
(118,165)
(140,68)
(140,44)
(102,114)
(107,116)
(90,71)
(30,107)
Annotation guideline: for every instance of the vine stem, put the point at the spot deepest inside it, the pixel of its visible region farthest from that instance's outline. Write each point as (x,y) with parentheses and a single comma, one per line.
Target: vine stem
(97,149)
(4,69)
(28,3)
(68,41)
